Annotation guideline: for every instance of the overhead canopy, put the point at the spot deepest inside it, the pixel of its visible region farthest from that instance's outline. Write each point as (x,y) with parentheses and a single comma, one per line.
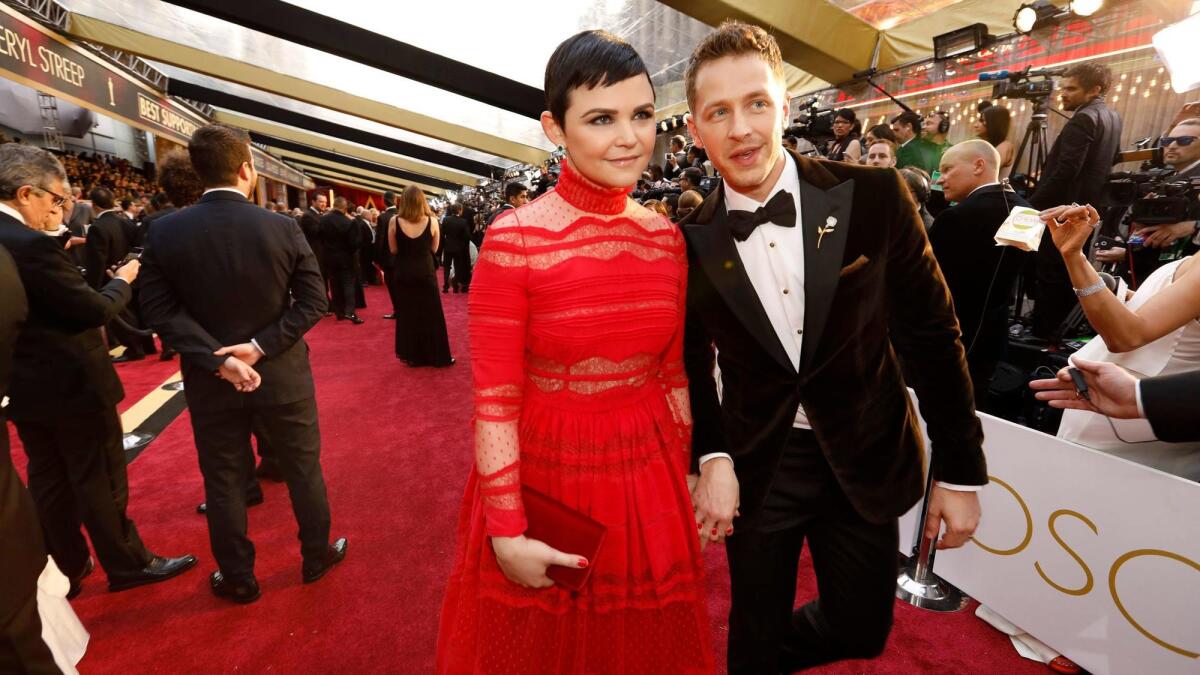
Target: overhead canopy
(447,93)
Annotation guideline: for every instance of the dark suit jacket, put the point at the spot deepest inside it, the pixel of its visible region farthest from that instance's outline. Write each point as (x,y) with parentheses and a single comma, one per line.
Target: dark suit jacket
(339,236)
(1172,403)
(23,554)
(108,243)
(456,235)
(149,221)
(61,360)
(976,270)
(222,272)
(81,216)
(872,290)
(1081,159)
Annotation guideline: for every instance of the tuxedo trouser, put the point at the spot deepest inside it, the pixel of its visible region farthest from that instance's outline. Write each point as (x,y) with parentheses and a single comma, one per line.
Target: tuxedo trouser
(342,282)
(22,649)
(854,561)
(461,261)
(77,476)
(227,465)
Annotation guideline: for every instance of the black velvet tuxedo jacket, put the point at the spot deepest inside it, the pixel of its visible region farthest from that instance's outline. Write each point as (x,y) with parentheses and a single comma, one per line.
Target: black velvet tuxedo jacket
(61,361)
(108,243)
(222,272)
(963,238)
(873,292)
(339,236)
(23,554)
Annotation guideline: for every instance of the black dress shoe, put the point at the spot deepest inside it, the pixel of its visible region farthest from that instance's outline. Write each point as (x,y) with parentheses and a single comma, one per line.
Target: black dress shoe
(77,582)
(126,358)
(202,508)
(352,318)
(333,555)
(242,593)
(159,569)
(390,317)
(167,355)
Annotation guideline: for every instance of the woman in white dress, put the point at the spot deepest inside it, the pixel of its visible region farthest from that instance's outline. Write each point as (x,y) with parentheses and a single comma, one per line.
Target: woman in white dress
(1155,331)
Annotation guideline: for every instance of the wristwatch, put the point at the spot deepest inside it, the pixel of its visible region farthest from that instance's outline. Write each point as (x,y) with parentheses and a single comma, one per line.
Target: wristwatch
(1090,290)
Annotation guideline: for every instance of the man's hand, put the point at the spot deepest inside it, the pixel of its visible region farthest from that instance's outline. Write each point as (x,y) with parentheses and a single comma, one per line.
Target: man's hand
(1113,391)
(716,501)
(1158,236)
(75,241)
(129,271)
(243,378)
(1110,255)
(246,352)
(958,509)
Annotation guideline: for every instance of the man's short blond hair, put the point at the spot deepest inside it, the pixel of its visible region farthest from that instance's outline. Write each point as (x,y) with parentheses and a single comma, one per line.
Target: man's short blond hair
(733,38)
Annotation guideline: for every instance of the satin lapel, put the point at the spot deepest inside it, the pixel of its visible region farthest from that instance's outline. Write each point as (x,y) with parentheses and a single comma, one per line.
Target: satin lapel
(828,210)
(718,256)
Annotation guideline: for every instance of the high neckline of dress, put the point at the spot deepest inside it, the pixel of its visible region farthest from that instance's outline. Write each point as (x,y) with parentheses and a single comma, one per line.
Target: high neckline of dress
(588,196)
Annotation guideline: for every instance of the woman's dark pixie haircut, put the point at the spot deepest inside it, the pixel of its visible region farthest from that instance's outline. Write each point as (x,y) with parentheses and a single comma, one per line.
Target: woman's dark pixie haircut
(593,58)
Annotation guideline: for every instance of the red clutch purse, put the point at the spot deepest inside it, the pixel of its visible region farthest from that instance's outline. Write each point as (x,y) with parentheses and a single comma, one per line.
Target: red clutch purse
(566,530)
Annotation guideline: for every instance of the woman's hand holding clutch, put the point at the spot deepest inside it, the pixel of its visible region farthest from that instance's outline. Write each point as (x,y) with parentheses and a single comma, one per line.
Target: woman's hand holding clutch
(524,560)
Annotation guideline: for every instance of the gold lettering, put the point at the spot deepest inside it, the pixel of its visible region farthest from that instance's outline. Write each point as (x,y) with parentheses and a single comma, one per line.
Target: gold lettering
(1028,524)
(1090,582)
(9,39)
(1112,588)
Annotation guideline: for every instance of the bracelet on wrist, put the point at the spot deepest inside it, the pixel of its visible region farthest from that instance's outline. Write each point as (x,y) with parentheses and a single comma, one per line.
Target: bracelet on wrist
(1090,290)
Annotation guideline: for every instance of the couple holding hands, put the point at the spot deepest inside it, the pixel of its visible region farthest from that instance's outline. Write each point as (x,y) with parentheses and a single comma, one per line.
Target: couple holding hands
(596,328)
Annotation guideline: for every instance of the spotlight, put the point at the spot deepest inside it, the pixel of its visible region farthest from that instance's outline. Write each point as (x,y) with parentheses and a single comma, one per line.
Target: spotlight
(1176,46)
(1086,7)
(1031,15)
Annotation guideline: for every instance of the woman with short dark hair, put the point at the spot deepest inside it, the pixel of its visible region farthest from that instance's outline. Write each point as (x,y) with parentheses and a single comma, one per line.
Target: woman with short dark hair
(844,146)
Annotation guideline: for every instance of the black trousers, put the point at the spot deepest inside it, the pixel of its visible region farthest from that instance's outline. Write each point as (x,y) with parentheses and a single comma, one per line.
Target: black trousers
(77,477)
(387,267)
(854,560)
(461,261)
(227,464)
(22,649)
(342,284)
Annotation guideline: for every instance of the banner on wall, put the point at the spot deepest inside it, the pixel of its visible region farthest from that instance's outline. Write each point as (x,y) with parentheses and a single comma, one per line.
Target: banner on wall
(272,168)
(42,60)
(1094,555)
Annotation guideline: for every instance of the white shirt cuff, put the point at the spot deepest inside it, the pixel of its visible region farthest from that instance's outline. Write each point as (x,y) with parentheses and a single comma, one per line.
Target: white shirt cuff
(959,488)
(1137,395)
(714,455)
(260,349)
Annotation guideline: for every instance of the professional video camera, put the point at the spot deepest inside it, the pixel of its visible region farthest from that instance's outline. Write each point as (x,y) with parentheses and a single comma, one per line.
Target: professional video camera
(1155,196)
(1018,84)
(813,122)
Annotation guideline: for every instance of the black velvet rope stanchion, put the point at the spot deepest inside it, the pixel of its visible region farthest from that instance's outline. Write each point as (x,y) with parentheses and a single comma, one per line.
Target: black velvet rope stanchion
(917,584)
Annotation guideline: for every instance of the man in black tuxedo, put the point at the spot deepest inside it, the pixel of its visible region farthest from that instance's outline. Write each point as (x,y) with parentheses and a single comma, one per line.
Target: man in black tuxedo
(1076,170)
(456,250)
(339,236)
(310,224)
(979,274)
(234,288)
(23,555)
(808,278)
(108,242)
(383,255)
(366,246)
(64,389)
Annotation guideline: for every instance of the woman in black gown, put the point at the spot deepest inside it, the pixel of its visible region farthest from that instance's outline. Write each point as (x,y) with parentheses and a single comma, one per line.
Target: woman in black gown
(420,325)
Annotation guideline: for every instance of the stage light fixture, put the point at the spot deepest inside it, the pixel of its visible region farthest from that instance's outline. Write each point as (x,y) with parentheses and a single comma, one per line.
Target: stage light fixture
(1031,15)
(962,41)
(1086,7)
(1178,48)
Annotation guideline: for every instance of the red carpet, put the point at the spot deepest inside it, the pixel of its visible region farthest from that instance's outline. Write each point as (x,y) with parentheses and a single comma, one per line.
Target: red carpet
(396,451)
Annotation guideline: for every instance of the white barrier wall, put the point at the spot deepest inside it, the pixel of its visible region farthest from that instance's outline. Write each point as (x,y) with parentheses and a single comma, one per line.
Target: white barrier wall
(1096,556)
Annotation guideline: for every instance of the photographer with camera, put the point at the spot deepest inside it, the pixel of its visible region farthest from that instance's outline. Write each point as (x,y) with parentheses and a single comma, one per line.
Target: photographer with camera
(64,390)
(1150,333)
(1145,248)
(1075,172)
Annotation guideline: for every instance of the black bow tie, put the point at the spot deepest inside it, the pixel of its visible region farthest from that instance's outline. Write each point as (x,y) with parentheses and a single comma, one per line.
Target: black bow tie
(781,210)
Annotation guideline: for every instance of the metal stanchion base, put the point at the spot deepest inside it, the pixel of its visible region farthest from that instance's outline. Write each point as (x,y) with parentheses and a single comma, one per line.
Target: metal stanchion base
(933,594)
(133,441)
(173,386)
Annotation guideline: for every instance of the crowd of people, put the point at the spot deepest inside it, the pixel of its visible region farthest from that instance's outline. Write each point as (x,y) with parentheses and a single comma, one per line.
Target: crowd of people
(600,311)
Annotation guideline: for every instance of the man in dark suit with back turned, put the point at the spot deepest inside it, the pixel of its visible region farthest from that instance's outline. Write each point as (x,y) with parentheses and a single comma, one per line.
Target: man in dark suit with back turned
(383,254)
(64,389)
(310,224)
(808,279)
(23,555)
(456,250)
(339,236)
(979,274)
(233,288)
(1075,171)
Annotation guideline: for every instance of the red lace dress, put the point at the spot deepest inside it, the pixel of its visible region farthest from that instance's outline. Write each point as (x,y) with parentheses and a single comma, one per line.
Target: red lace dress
(576,317)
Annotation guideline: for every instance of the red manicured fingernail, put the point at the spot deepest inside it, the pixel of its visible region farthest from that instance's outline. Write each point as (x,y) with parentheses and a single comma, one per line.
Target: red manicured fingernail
(714,532)
(583,563)
(699,526)
(728,532)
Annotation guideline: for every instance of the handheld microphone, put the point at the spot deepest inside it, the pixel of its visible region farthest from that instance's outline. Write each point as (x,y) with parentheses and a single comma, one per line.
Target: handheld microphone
(998,75)
(1110,281)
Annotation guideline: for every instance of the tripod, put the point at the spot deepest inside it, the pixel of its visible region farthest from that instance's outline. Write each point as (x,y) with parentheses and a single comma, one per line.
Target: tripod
(1036,144)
